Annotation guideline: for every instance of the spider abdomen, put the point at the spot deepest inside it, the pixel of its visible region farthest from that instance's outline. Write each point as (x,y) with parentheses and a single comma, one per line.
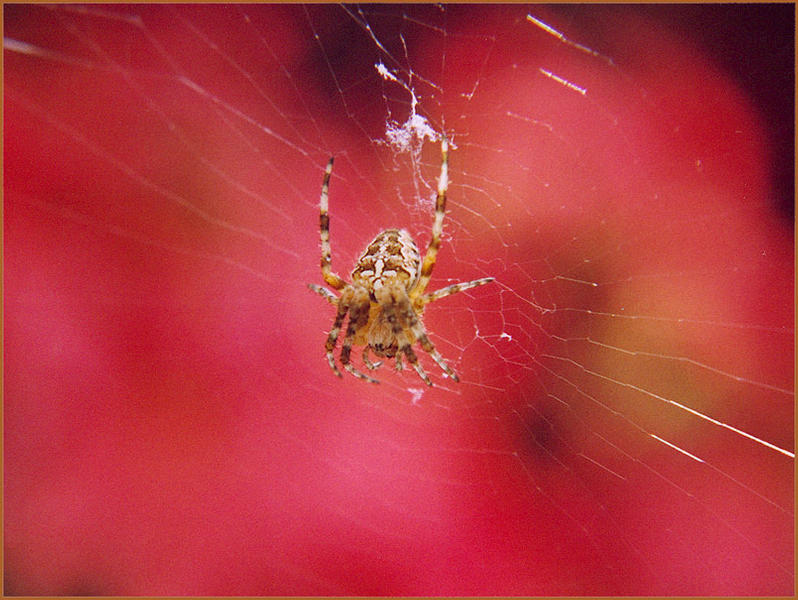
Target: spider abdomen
(391,257)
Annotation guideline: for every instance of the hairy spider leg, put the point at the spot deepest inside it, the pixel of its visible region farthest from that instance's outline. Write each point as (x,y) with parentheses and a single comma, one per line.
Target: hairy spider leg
(367,361)
(397,326)
(324,293)
(331,278)
(409,321)
(358,317)
(343,307)
(437,226)
(449,290)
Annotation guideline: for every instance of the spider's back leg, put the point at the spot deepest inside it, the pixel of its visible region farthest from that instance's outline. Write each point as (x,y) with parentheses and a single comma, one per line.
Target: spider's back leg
(437,226)
(331,278)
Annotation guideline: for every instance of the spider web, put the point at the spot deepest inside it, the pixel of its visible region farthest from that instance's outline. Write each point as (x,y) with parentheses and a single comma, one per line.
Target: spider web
(624,420)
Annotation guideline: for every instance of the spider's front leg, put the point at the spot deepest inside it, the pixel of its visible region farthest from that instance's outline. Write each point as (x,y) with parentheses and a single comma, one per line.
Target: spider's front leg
(408,320)
(391,299)
(332,338)
(367,361)
(358,318)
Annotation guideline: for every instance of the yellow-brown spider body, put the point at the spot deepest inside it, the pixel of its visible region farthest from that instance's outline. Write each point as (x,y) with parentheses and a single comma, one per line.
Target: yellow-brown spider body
(386,297)
(392,257)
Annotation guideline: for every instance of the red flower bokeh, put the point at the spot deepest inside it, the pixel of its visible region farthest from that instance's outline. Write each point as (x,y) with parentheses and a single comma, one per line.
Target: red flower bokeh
(171,425)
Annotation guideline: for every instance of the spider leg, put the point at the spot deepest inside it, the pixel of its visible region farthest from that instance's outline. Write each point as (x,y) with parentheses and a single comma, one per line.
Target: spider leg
(390,310)
(358,317)
(411,356)
(343,307)
(332,279)
(450,289)
(437,226)
(408,320)
(367,362)
(324,293)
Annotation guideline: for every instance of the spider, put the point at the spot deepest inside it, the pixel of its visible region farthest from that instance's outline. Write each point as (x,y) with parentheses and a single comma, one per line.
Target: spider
(386,297)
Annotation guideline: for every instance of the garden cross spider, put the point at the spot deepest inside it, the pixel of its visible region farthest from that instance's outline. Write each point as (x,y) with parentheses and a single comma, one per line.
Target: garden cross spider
(386,297)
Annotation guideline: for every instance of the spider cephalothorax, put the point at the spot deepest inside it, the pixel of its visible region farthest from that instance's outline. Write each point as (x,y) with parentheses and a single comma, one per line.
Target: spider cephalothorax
(386,297)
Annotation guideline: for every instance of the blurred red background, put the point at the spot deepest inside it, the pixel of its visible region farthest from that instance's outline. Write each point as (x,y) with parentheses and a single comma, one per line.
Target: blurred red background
(171,425)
